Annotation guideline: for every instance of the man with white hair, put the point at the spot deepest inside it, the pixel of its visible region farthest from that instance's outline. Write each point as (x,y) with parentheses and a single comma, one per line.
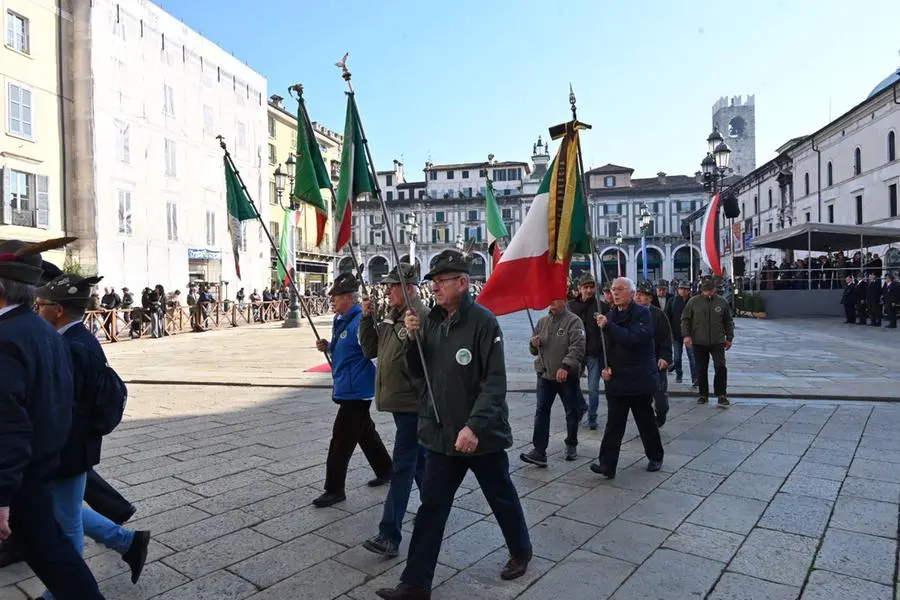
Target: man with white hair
(631,378)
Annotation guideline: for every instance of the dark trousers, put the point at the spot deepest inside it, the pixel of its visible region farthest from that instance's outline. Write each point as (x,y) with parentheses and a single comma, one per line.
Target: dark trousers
(720,378)
(861,313)
(661,396)
(104,499)
(409,466)
(573,403)
(47,550)
(892,315)
(679,350)
(849,313)
(353,425)
(443,475)
(641,406)
(875,313)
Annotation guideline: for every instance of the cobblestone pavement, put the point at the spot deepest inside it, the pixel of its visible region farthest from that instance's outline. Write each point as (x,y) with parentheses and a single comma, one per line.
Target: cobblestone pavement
(766,500)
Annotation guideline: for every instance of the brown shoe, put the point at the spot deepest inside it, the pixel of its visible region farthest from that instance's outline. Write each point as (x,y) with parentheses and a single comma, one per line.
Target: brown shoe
(404,591)
(516,566)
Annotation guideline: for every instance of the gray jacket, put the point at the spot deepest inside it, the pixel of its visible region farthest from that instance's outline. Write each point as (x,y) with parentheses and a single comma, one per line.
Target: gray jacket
(562,344)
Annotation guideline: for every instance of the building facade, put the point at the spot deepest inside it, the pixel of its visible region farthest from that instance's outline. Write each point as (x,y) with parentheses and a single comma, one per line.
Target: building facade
(447,210)
(148,202)
(32,181)
(314,265)
(735,118)
(846,173)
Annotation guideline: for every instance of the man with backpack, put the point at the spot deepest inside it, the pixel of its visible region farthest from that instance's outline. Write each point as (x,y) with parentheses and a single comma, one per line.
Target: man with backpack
(100,397)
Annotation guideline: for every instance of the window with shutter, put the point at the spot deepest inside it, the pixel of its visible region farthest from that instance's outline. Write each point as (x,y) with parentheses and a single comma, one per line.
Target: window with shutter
(6,212)
(42,212)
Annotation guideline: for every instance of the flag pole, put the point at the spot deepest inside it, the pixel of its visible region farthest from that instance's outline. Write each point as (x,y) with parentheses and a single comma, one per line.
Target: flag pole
(587,215)
(387,221)
(265,229)
(298,89)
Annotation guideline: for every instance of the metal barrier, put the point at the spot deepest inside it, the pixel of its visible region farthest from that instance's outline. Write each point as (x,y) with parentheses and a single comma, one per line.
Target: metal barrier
(121,324)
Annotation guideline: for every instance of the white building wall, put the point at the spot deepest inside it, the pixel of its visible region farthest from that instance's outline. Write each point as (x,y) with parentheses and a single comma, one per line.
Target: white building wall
(138,50)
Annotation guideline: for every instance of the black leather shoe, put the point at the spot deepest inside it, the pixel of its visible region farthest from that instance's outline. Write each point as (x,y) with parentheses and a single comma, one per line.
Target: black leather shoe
(379,481)
(654,465)
(515,567)
(404,592)
(10,552)
(329,499)
(601,470)
(136,555)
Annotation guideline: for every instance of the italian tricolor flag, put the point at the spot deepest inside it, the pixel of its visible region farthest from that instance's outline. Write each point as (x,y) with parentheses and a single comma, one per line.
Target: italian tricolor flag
(356,178)
(496,228)
(534,269)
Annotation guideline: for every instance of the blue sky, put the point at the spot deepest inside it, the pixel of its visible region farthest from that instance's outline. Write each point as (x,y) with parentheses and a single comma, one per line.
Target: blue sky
(454,82)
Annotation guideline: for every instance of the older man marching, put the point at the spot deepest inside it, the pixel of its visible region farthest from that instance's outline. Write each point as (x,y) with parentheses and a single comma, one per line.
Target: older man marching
(631,379)
(354,387)
(399,393)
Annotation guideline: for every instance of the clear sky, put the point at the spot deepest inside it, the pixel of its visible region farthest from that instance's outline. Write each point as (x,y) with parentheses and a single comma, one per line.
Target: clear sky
(455,81)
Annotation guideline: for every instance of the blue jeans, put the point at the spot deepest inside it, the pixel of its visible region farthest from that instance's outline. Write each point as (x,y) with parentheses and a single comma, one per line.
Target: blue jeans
(594,367)
(102,530)
(409,465)
(68,498)
(573,403)
(443,475)
(692,361)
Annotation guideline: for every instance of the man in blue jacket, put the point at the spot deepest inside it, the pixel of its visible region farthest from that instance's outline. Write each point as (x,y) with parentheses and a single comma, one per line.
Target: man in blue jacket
(36,403)
(354,388)
(631,379)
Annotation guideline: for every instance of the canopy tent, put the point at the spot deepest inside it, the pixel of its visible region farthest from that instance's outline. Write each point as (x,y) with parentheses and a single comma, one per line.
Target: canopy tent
(828,237)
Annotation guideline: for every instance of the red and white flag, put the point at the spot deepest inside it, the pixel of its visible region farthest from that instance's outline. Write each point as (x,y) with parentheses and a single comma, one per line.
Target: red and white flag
(709,237)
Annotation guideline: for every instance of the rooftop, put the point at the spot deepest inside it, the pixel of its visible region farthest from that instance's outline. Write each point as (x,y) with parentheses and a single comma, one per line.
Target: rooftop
(609,168)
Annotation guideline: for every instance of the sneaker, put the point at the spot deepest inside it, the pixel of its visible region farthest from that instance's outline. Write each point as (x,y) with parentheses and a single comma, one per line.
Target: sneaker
(723,402)
(534,458)
(702,400)
(383,546)
(571,453)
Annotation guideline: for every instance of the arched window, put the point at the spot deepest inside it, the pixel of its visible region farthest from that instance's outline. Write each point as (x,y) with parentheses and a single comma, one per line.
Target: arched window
(857,161)
(830,174)
(806,184)
(892,147)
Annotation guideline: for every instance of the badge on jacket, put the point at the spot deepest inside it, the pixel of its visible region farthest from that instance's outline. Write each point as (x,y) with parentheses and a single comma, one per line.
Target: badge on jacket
(343,334)
(463,356)
(402,333)
(560,332)
(718,309)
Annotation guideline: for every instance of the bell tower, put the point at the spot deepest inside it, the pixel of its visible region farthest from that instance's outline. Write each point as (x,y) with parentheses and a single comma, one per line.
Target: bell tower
(735,118)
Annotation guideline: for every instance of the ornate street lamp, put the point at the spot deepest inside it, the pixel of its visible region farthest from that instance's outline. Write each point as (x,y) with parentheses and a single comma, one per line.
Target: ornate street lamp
(722,155)
(714,139)
(292,319)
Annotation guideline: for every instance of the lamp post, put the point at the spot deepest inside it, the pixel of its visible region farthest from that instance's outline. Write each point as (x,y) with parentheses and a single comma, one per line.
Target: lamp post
(645,219)
(412,229)
(619,241)
(716,166)
(292,320)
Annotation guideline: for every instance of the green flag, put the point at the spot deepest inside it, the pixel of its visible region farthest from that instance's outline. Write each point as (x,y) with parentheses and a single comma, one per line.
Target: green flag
(310,174)
(239,209)
(283,249)
(496,228)
(356,177)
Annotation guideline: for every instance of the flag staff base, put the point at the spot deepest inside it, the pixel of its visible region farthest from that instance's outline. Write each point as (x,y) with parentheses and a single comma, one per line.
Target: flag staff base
(293,319)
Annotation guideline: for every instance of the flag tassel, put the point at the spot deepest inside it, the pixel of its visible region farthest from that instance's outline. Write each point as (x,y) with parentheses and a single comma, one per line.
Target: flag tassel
(371,166)
(265,229)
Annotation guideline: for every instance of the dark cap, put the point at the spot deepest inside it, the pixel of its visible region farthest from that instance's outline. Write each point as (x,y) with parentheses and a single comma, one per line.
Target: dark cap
(449,261)
(409,275)
(684,285)
(68,289)
(708,284)
(587,279)
(645,287)
(50,270)
(345,283)
(662,283)
(23,268)
(607,287)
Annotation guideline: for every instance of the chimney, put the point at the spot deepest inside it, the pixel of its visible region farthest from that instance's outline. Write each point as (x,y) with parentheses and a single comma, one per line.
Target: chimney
(662,177)
(276,101)
(698,176)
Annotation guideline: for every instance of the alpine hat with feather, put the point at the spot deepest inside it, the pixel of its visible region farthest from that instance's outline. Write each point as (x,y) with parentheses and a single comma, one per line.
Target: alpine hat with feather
(21,261)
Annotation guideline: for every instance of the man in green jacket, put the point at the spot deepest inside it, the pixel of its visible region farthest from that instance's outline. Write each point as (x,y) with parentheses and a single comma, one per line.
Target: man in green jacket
(399,393)
(466,427)
(708,327)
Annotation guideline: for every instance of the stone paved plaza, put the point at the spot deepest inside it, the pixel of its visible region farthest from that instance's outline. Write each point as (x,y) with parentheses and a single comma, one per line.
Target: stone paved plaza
(771,499)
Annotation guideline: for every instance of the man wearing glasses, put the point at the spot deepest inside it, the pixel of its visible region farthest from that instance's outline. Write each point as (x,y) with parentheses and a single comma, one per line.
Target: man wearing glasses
(467,427)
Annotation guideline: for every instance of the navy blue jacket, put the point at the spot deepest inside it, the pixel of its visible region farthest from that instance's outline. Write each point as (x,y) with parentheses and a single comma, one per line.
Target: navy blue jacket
(353,373)
(632,351)
(35,401)
(82,449)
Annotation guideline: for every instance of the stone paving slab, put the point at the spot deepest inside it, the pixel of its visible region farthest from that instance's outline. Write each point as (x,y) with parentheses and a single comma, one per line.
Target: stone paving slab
(809,359)
(774,499)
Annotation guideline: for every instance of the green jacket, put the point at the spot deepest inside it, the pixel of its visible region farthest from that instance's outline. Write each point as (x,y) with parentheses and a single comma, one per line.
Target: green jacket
(707,321)
(464,358)
(396,391)
(562,344)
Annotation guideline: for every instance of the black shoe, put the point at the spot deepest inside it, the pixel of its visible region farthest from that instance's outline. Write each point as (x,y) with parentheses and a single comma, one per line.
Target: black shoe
(702,400)
(571,453)
(404,592)
(125,516)
(723,402)
(654,465)
(383,546)
(592,425)
(379,481)
(660,419)
(515,567)
(601,470)
(679,379)
(10,552)
(329,499)
(136,555)
(534,458)
(695,383)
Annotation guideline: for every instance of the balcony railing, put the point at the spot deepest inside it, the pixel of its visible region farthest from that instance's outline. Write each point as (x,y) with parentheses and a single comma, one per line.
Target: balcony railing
(22,218)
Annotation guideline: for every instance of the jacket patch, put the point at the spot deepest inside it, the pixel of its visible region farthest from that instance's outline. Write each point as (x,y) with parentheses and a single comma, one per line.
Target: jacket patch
(560,332)
(463,356)
(403,333)
(343,334)
(718,309)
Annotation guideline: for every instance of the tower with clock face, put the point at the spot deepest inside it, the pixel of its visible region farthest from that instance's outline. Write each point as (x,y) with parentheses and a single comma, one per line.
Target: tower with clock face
(735,118)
